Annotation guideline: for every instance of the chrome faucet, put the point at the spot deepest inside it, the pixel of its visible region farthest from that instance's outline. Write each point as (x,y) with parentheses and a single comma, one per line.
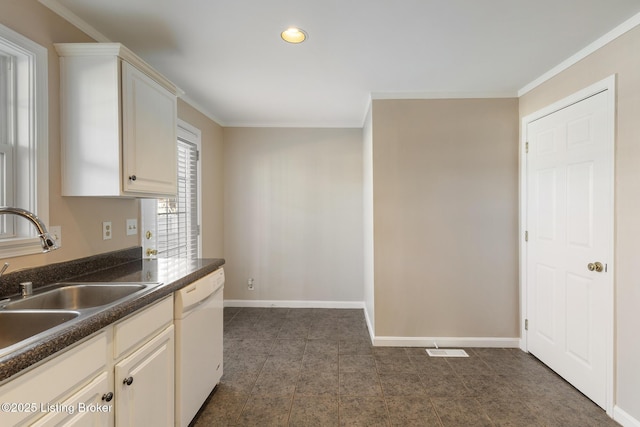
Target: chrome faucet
(48,243)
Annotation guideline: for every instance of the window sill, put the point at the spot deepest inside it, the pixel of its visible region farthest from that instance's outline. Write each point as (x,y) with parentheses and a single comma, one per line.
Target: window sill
(10,248)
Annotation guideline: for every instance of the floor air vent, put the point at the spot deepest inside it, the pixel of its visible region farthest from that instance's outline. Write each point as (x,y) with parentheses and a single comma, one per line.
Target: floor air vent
(446,353)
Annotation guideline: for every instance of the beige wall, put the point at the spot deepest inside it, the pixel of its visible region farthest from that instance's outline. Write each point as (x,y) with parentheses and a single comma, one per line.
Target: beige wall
(81,217)
(621,58)
(212,169)
(445,197)
(293,214)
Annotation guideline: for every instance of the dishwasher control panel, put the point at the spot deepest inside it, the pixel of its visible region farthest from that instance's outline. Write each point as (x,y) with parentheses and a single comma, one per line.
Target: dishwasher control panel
(198,291)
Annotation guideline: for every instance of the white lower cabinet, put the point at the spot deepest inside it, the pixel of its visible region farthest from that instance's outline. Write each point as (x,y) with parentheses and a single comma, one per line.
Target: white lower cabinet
(43,390)
(122,376)
(144,384)
(87,407)
(143,357)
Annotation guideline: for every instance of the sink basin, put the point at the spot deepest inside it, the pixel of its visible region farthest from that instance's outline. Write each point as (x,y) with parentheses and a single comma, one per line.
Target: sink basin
(75,297)
(16,326)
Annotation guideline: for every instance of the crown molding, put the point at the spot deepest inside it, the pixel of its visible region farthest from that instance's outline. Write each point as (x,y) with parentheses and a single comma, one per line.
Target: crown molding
(621,29)
(119,50)
(441,95)
(74,19)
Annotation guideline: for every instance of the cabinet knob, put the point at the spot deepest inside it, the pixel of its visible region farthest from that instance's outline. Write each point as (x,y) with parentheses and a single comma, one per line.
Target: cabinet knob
(128,381)
(107,397)
(133,178)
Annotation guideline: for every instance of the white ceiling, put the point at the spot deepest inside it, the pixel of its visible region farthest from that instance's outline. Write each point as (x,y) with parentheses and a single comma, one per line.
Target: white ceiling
(229,59)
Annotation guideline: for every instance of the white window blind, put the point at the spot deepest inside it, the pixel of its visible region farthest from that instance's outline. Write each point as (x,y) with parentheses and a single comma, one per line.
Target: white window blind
(178,230)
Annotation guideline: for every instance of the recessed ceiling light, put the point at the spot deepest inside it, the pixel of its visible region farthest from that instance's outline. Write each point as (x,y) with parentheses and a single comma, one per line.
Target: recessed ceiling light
(293,35)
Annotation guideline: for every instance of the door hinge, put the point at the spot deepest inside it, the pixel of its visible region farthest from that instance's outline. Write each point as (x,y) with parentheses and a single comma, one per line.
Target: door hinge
(526,324)
(198,230)
(526,147)
(526,236)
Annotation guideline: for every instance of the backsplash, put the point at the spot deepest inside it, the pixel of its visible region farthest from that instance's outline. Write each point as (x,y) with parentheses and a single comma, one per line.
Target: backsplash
(57,272)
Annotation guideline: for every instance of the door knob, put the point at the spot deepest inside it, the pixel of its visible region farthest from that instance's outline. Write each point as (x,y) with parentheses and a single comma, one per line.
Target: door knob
(152,252)
(595,266)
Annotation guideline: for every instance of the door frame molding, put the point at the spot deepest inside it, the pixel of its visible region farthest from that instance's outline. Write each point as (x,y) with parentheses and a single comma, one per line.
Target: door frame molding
(608,84)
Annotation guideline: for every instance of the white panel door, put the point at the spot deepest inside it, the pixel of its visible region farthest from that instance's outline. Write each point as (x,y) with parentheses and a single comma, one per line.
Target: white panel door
(569,217)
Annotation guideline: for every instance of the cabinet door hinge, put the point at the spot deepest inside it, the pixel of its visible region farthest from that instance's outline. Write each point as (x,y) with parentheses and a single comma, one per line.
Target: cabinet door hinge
(526,324)
(526,236)
(526,147)
(197,155)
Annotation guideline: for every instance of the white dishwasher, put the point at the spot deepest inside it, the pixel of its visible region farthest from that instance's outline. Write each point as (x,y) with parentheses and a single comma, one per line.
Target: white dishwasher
(198,315)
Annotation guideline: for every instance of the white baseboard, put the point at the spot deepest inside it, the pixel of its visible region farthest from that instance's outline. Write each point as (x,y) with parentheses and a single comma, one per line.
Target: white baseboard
(493,342)
(370,325)
(624,418)
(381,341)
(292,304)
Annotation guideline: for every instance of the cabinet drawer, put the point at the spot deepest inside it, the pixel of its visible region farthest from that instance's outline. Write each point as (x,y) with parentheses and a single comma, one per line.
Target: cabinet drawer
(51,382)
(140,327)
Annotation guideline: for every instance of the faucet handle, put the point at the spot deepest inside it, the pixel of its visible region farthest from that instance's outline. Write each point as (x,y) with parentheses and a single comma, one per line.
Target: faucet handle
(4,268)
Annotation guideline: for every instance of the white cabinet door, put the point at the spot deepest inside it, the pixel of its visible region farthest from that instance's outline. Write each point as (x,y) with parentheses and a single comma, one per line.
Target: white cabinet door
(118,121)
(149,121)
(84,408)
(144,384)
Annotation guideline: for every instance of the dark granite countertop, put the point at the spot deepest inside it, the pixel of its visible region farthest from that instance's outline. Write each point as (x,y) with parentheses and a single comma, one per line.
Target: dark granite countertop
(170,274)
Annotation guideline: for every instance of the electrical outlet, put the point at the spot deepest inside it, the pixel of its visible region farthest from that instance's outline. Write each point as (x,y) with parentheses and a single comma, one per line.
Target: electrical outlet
(250,284)
(55,231)
(132,227)
(107,230)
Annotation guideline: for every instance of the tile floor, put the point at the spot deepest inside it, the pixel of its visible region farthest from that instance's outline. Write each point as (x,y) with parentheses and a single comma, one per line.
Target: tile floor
(316,367)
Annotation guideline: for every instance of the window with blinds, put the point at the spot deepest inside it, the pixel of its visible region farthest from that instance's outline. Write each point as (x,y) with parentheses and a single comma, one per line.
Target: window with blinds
(177,229)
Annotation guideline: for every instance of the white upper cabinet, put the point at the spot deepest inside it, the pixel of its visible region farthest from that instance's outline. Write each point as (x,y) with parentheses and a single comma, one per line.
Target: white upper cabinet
(118,123)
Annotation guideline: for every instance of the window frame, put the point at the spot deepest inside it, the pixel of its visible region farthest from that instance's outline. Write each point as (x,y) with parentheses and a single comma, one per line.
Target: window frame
(31,161)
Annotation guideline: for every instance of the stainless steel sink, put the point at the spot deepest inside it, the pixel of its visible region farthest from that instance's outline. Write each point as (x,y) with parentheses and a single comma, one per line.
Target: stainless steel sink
(76,296)
(17,326)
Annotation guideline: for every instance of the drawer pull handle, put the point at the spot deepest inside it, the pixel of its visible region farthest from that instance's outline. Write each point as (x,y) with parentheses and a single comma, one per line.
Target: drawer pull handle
(128,381)
(107,397)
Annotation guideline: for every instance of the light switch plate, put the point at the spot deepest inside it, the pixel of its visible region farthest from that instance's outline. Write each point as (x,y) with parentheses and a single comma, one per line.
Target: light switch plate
(132,227)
